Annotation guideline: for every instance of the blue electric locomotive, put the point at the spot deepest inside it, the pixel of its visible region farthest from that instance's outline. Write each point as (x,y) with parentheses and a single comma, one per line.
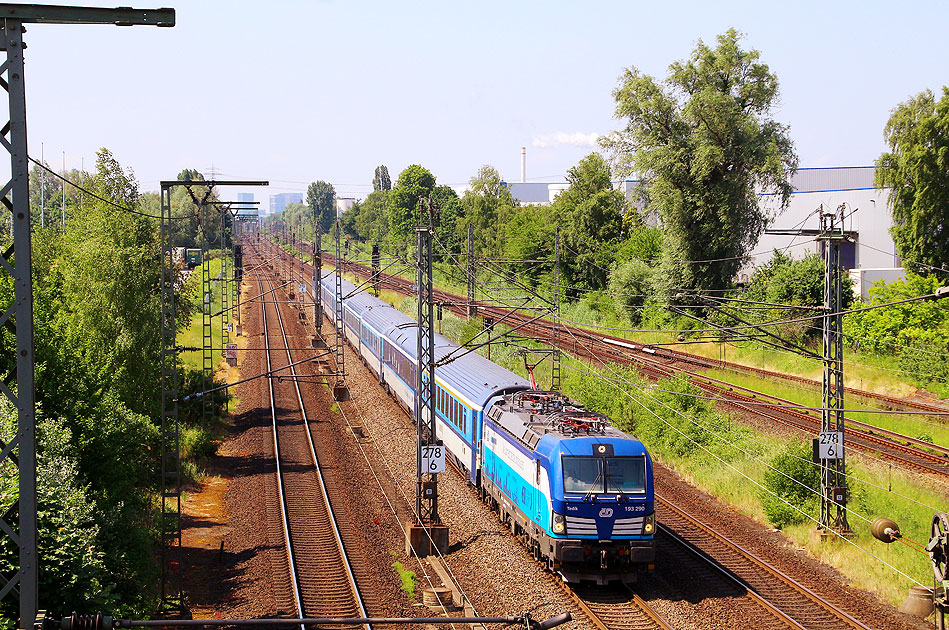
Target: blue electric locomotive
(576,490)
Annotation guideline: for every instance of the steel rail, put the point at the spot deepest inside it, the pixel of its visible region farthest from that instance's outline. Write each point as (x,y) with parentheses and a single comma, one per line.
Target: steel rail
(284,515)
(637,615)
(319,473)
(753,595)
(729,576)
(760,565)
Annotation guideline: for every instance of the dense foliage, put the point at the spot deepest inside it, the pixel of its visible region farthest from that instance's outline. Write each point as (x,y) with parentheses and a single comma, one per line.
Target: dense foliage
(97,347)
(791,486)
(705,146)
(916,169)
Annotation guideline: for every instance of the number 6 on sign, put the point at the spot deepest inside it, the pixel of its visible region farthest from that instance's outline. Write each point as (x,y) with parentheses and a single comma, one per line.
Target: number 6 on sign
(831,445)
(433,459)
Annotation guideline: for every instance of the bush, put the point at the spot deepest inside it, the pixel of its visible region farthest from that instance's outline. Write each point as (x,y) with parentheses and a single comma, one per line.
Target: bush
(630,285)
(795,479)
(682,425)
(784,280)
(885,330)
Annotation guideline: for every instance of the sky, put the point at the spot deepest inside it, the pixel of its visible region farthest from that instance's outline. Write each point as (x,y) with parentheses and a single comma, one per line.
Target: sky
(294,92)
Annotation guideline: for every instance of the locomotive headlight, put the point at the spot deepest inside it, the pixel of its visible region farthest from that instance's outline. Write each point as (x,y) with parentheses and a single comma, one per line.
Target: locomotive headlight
(649,524)
(559,523)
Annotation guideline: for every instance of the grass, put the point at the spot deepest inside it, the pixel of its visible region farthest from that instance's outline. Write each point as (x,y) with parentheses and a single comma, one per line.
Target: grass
(192,335)
(928,428)
(407,577)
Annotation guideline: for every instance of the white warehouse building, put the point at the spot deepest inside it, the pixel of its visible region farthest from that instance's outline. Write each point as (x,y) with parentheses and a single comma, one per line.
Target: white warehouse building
(869,252)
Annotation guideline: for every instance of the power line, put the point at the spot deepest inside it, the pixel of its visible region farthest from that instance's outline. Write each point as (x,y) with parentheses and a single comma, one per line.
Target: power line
(95,196)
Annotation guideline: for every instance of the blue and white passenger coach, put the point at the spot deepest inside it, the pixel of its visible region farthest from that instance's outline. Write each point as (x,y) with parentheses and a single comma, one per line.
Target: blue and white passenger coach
(577,491)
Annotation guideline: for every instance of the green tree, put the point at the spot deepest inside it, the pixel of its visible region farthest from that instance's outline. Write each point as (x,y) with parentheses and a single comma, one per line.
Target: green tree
(631,286)
(886,330)
(414,183)
(705,146)
(448,214)
(797,282)
(590,215)
(321,198)
(487,205)
(372,220)
(916,169)
(530,236)
(381,180)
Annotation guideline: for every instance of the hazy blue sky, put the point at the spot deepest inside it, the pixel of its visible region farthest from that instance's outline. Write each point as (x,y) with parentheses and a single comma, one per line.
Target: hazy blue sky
(299,91)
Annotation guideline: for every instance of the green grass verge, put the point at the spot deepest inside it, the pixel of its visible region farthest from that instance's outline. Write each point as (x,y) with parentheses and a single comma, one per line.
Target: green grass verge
(192,335)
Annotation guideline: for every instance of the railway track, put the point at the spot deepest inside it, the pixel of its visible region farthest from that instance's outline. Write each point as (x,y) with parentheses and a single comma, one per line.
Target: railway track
(908,452)
(765,597)
(788,596)
(320,573)
(616,608)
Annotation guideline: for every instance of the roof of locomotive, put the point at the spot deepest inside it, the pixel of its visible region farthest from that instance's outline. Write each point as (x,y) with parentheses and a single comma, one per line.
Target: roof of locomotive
(533,415)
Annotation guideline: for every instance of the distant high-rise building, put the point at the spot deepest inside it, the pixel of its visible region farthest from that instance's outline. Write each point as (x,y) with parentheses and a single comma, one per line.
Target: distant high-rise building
(245,201)
(279,202)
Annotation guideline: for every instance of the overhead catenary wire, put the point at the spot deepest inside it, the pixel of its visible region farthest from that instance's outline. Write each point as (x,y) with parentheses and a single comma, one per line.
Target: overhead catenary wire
(705,426)
(409,503)
(100,198)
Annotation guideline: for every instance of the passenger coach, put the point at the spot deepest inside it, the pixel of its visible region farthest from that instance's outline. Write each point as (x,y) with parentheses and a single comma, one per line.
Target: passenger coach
(576,490)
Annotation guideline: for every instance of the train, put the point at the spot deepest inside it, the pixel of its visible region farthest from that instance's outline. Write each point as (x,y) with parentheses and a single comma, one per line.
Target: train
(576,490)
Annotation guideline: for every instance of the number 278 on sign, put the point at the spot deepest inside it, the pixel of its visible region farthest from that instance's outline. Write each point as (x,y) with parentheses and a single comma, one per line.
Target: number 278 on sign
(433,459)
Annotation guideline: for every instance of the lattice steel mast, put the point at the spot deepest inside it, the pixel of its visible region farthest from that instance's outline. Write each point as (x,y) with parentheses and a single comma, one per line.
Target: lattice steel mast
(170,508)
(472,270)
(833,509)
(425,506)
(555,335)
(339,389)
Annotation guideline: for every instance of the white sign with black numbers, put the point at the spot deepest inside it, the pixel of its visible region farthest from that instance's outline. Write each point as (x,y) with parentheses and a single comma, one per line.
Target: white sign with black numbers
(302,288)
(433,459)
(831,445)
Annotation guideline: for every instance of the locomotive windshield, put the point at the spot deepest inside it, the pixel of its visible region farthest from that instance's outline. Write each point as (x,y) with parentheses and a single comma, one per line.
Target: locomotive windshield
(607,475)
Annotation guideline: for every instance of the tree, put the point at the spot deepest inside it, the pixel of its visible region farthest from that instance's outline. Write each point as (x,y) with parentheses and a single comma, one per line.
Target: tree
(704,145)
(381,181)
(487,205)
(530,236)
(321,198)
(448,216)
(414,183)
(917,171)
(372,220)
(590,215)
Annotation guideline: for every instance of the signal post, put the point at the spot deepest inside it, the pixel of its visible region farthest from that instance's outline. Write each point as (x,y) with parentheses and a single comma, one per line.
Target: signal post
(428,535)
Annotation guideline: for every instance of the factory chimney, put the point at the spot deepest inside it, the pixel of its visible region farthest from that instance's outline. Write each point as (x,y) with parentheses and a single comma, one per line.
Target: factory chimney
(523,165)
